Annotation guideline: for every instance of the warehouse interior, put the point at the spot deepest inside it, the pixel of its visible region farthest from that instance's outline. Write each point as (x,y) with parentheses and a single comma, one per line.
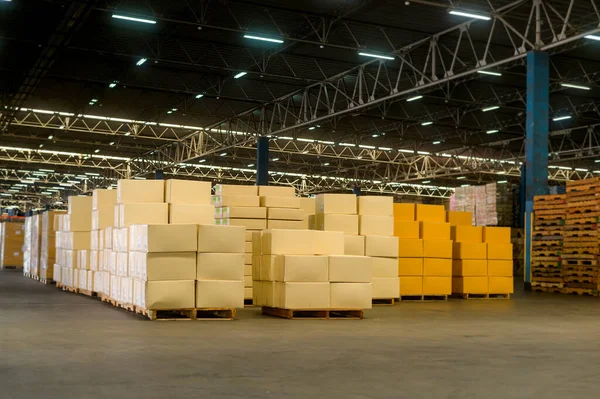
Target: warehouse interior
(481,116)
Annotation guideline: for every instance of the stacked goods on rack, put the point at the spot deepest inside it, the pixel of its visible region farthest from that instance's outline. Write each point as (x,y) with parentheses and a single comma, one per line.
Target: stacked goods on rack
(12,235)
(499,261)
(48,245)
(547,242)
(304,273)
(103,219)
(490,205)
(579,255)
(31,247)
(283,208)
(410,251)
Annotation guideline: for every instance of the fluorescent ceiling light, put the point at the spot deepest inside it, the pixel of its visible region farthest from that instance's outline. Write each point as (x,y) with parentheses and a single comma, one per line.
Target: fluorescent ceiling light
(250,165)
(437,142)
(199,95)
(561,118)
(97,150)
(326,164)
(502,182)
(383,57)
(275,159)
(92,174)
(592,37)
(27,181)
(375,135)
(407,151)
(141,61)
(223,154)
(426,181)
(348,144)
(414,98)
(202,161)
(305,140)
(461,177)
(426,123)
(111,143)
(127,134)
(312,128)
(112,85)
(465,185)
(572,86)
(264,39)
(492,131)
(239,75)
(581,170)
(385,148)
(370,147)
(50,137)
(490,73)
(46,170)
(6,194)
(490,108)
(470,15)
(142,20)
(423,152)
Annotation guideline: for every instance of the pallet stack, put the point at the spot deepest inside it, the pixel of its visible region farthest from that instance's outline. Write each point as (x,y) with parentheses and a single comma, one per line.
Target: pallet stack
(580,242)
(547,243)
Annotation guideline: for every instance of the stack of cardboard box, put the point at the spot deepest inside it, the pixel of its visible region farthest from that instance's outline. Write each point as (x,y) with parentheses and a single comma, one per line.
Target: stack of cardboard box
(410,250)
(335,212)
(27,246)
(12,236)
(103,218)
(283,208)
(307,269)
(36,242)
(48,244)
(500,260)
(307,206)
(189,202)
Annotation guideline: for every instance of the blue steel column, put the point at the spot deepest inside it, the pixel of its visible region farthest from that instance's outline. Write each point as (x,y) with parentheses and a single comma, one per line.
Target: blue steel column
(262,161)
(536,143)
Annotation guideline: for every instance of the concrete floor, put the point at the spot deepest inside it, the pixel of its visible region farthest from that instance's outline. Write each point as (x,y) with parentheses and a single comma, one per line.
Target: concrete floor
(54,344)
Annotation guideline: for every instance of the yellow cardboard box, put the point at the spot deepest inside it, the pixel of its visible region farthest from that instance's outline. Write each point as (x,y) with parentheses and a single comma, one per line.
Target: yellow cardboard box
(383,246)
(464,250)
(456,218)
(130,190)
(499,251)
(103,199)
(404,212)
(191,213)
(437,267)
(167,294)
(163,266)
(435,231)
(470,285)
(467,234)
(286,224)
(253,224)
(410,248)
(437,249)
(410,266)
(241,212)
(386,287)
(375,225)
(354,245)
(407,229)
(351,295)
(500,268)
(328,242)
(501,285)
(431,213)
(469,268)
(411,285)
(143,213)
(497,235)
(375,205)
(307,205)
(437,285)
(336,203)
(222,201)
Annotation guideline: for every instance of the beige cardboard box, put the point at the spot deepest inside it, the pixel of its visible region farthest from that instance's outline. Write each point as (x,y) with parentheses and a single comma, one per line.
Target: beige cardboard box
(411,285)
(248,235)
(471,250)
(470,285)
(431,213)
(302,295)
(286,224)
(337,222)
(500,251)
(103,199)
(253,224)
(437,267)
(77,240)
(300,268)
(247,281)
(376,225)
(80,213)
(256,266)
(351,296)
(437,249)
(354,245)
(435,231)
(103,218)
(237,201)
(382,246)
(280,202)
(217,266)
(276,191)
(437,285)
(157,295)
(248,293)
(307,205)
(375,205)
(248,270)
(501,285)
(267,267)
(152,191)
(163,238)
(336,203)
(256,242)
(386,287)
(243,212)
(187,192)
(248,247)
(231,189)
(350,269)
(407,229)
(285,214)
(191,213)
(469,267)
(163,265)
(404,212)
(288,242)
(384,267)
(328,243)
(410,248)
(143,213)
(221,239)
(500,268)
(410,266)
(247,258)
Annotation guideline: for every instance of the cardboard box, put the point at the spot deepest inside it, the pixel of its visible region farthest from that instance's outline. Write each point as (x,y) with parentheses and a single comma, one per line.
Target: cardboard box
(328,243)
(77,240)
(496,235)
(410,266)
(336,203)
(285,214)
(348,224)
(437,267)
(218,266)
(354,245)
(276,191)
(256,242)
(242,212)
(500,268)
(350,269)
(375,205)
(437,249)
(501,285)
(286,224)
(456,218)
(462,250)
(219,294)
(307,205)
(467,234)
(157,295)
(130,190)
(431,213)
(470,285)
(384,267)
(248,294)
(231,189)
(103,218)
(407,229)
(191,213)
(300,268)
(302,295)
(221,239)
(499,251)
(386,287)
(248,270)
(163,238)
(103,199)
(411,285)
(410,248)
(382,246)
(188,192)
(267,266)
(80,213)
(288,242)
(247,247)
(351,296)
(375,225)
(247,281)
(162,266)
(236,201)
(435,231)
(143,213)
(253,224)
(437,285)
(469,268)
(404,212)
(280,202)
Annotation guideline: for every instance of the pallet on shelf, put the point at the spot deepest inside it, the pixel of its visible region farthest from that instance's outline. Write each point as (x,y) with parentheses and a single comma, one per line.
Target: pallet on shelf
(314,314)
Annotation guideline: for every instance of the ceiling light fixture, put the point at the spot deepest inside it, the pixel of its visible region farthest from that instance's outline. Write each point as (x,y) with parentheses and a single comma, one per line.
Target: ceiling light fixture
(437,142)
(111,143)
(275,159)
(239,75)
(127,134)
(112,85)
(490,73)
(426,181)
(414,98)
(202,161)
(461,177)
(592,37)
(97,150)
(502,182)
(50,137)
(222,154)
(326,164)
(250,165)
(469,15)
(426,123)
(375,135)
(199,95)
(383,57)
(490,108)
(561,118)
(264,39)
(492,131)
(141,61)
(142,20)
(572,86)
(312,128)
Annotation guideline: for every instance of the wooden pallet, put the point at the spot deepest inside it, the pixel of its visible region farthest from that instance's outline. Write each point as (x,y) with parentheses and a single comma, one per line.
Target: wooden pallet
(555,290)
(549,198)
(580,291)
(12,267)
(167,315)
(547,243)
(549,223)
(545,253)
(570,255)
(545,259)
(547,281)
(550,212)
(568,251)
(577,273)
(581,280)
(46,281)
(383,301)
(581,233)
(583,211)
(578,262)
(481,296)
(554,216)
(314,314)
(545,233)
(557,284)
(423,298)
(592,220)
(88,293)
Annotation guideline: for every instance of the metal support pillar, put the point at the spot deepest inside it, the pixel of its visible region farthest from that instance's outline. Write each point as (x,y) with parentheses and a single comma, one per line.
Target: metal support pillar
(262,161)
(536,143)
